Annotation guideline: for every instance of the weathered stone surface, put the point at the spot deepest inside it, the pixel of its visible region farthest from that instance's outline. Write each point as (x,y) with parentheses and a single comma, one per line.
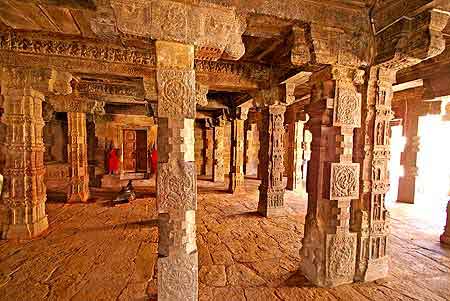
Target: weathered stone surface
(214,275)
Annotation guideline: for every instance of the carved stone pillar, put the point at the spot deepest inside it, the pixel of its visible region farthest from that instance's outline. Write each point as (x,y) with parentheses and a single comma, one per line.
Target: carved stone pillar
(445,237)
(176,180)
(218,162)
(23,207)
(296,156)
(329,248)
(237,150)
(271,190)
(77,158)
(407,183)
(371,219)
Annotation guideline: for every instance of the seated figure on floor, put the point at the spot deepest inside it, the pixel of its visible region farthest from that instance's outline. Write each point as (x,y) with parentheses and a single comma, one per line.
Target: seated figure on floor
(126,194)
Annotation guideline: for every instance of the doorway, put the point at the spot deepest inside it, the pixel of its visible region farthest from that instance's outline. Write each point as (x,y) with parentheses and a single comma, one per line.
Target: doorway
(135,151)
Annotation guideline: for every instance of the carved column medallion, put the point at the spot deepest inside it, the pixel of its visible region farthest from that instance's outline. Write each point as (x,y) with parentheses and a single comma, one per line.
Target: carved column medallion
(237,150)
(23,205)
(176,180)
(78,190)
(218,152)
(329,248)
(271,190)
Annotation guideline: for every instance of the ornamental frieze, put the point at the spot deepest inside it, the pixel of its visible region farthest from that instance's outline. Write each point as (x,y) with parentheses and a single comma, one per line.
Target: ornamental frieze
(14,41)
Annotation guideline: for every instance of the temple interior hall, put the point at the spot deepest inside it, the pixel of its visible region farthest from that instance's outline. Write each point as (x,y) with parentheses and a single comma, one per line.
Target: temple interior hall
(225,150)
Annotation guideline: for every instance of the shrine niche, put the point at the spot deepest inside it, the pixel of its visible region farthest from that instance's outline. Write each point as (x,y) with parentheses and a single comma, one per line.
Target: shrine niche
(255,138)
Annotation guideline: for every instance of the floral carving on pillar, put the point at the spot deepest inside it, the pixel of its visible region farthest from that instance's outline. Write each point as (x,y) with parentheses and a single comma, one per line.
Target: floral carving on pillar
(271,190)
(77,157)
(176,181)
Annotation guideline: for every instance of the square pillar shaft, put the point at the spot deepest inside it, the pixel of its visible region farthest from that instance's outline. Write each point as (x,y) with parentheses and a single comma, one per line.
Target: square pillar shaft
(271,190)
(176,176)
(329,248)
(237,155)
(407,183)
(218,152)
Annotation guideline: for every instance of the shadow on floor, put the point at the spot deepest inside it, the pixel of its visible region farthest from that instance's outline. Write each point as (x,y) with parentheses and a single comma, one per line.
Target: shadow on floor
(131,225)
(298,280)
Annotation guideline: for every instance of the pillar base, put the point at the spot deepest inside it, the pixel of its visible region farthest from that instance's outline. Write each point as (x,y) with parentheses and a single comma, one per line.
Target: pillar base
(271,202)
(24,231)
(406,190)
(376,269)
(335,261)
(178,277)
(445,238)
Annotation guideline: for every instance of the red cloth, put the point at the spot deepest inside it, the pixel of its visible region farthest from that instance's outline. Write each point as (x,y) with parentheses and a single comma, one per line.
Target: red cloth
(154,160)
(113,161)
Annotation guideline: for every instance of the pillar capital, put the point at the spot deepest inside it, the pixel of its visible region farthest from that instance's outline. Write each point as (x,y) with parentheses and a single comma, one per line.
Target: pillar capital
(216,31)
(42,80)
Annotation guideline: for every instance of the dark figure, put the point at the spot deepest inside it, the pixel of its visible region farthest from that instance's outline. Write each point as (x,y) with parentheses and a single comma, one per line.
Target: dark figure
(126,194)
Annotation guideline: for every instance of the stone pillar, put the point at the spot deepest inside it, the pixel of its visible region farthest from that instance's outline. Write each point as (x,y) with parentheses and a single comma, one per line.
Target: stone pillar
(271,190)
(237,150)
(445,237)
(23,207)
(218,162)
(208,148)
(77,158)
(176,181)
(296,156)
(329,248)
(370,216)
(407,183)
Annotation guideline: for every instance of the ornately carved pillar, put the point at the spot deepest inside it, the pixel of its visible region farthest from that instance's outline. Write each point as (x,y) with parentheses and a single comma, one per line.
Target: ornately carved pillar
(271,190)
(329,248)
(237,150)
(407,183)
(23,205)
(371,219)
(445,237)
(176,184)
(218,162)
(77,158)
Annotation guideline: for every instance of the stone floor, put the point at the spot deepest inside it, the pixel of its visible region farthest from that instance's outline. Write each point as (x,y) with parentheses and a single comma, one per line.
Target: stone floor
(98,252)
